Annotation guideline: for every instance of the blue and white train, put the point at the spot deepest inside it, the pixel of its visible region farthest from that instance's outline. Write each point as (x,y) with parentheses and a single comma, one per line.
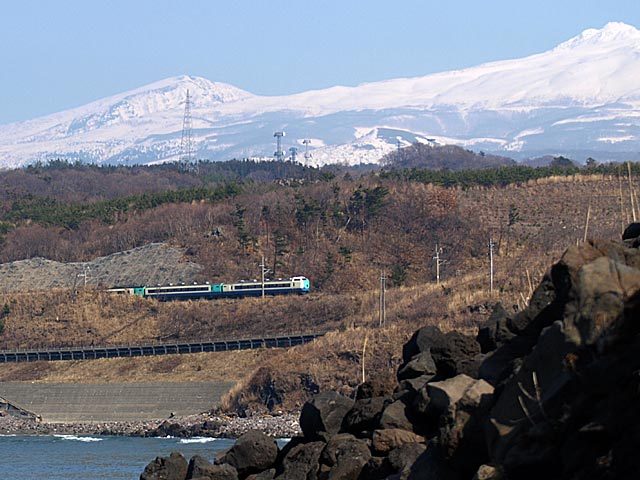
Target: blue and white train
(254,288)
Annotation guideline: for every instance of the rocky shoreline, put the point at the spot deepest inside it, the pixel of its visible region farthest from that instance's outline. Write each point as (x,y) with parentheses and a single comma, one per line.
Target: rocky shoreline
(204,425)
(550,392)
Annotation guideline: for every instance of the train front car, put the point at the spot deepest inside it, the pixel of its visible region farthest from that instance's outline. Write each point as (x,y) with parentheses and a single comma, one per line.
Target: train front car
(301,284)
(280,286)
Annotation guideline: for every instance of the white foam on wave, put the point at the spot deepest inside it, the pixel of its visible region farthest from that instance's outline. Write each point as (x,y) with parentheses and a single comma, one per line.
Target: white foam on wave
(197,440)
(8,435)
(79,439)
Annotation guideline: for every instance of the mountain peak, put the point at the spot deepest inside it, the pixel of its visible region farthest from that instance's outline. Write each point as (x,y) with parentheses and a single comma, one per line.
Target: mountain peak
(612,32)
(201,89)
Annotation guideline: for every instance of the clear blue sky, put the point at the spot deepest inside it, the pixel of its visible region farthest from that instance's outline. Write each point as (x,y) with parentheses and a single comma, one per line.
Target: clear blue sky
(59,54)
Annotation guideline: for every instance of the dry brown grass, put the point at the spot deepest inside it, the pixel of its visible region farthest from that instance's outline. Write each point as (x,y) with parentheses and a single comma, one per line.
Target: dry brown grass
(551,216)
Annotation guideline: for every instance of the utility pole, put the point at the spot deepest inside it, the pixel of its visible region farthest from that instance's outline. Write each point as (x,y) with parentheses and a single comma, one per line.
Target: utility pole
(633,209)
(383,306)
(85,273)
(439,262)
(491,245)
(263,271)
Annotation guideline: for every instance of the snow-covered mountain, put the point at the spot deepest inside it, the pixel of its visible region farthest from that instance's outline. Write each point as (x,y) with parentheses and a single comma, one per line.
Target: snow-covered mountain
(581,96)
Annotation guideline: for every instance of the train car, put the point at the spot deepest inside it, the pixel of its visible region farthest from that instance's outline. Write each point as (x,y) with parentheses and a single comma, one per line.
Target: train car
(254,288)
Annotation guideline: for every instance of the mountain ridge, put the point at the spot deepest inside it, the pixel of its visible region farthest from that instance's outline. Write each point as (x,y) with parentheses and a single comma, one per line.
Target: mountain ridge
(579,95)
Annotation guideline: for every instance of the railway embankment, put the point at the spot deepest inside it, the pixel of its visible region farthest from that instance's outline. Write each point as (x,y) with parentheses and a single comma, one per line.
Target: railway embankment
(548,392)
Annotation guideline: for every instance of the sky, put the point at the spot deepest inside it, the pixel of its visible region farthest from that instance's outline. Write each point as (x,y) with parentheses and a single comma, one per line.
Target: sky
(63,54)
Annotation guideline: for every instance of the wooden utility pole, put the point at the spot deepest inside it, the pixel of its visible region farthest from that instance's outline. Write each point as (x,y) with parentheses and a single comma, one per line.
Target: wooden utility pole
(633,208)
(263,270)
(439,262)
(383,307)
(364,351)
(586,225)
(491,246)
(623,224)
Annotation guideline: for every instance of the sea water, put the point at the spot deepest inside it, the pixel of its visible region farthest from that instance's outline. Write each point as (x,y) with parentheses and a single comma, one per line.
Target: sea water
(69,457)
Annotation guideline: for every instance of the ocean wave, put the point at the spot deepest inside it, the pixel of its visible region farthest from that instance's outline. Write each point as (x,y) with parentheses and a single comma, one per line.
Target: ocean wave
(8,435)
(79,439)
(197,440)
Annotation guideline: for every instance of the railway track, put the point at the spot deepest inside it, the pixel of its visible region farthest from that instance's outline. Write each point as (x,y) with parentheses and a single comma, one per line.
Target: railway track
(123,351)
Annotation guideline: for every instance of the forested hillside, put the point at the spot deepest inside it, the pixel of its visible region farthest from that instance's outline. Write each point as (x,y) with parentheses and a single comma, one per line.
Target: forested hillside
(341,229)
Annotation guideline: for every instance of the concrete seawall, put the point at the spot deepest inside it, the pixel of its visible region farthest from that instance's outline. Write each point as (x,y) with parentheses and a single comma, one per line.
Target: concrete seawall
(68,403)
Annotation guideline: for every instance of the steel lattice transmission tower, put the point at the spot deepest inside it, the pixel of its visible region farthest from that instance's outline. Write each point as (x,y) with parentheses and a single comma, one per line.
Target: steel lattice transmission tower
(186,144)
(279,154)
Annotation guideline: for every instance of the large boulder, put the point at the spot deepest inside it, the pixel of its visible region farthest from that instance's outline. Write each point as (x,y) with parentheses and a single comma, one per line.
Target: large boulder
(431,465)
(173,467)
(301,462)
(395,415)
(383,441)
(603,286)
(200,467)
(419,365)
(324,413)
(266,475)
(377,468)
(343,458)
(446,394)
(541,384)
(364,416)
(462,436)
(253,452)
(495,331)
(453,353)
(404,456)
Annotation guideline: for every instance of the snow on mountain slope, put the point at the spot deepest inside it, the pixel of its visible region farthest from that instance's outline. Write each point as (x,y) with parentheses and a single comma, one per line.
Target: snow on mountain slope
(582,95)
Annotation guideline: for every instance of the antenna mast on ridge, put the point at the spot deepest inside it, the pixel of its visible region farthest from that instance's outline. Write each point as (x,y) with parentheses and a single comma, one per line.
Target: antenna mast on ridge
(307,155)
(186,145)
(279,155)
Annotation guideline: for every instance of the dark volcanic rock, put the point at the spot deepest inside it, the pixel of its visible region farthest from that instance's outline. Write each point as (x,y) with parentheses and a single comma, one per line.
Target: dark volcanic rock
(495,332)
(557,395)
(173,467)
(253,452)
(364,416)
(266,475)
(420,364)
(343,458)
(403,457)
(324,413)
(395,416)
(453,353)
(200,467)
(385,440)
(170,429)
(632,231)
(301,461)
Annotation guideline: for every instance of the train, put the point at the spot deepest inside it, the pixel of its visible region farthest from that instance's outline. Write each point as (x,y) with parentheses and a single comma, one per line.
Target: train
(253,288)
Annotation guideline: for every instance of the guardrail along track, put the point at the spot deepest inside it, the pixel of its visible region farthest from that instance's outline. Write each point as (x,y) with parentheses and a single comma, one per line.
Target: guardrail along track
(93,352)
